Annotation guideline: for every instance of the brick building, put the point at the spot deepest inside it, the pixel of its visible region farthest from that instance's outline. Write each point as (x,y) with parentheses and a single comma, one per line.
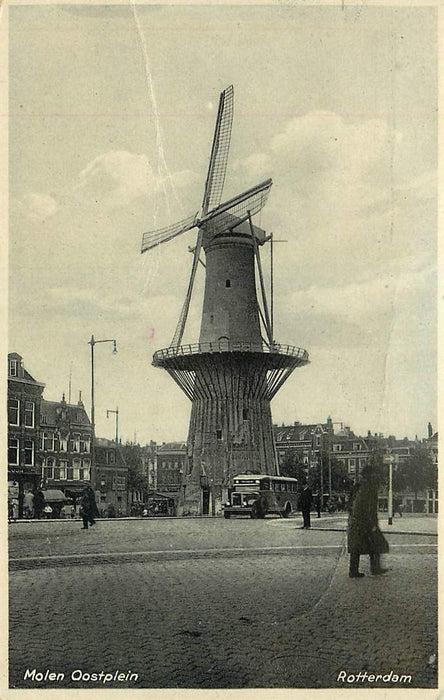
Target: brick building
(65,446)
(170,465)
(24,401)
(307,441)
(110,478)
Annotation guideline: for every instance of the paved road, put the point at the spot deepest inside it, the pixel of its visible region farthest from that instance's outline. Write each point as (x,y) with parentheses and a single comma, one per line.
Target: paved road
(213,603)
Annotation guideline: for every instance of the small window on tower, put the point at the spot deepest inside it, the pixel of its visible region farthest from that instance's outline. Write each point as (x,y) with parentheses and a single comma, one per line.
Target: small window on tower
(245,413)
(228,283)
(219,434)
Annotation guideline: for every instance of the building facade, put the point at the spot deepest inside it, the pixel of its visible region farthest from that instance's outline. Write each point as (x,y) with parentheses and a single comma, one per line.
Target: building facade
(110,478)
(171,458)
(24,401)
(65,447)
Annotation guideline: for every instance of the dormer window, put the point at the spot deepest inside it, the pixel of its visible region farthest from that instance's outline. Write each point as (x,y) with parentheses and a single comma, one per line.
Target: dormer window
(228,283)
(13,368)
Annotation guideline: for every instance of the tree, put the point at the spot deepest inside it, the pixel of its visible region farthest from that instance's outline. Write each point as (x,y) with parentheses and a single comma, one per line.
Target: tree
(340,478)
(418,472)
(132,454)
(293,466)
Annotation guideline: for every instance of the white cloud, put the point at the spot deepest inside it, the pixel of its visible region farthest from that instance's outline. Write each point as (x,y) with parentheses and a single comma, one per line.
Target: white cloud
(367,302)
(117,178)
(38,206)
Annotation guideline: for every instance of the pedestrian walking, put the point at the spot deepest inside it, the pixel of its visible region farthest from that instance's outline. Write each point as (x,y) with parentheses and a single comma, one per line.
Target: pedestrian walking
(88,507)
(304,504)
(364,535)
(39,501)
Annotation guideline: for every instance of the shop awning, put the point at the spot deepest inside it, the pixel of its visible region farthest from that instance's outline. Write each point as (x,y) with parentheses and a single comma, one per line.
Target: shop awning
(55,496)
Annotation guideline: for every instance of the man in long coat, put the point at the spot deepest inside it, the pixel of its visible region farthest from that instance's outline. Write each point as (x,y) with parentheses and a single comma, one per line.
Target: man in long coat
(364,535)
(88,507)
(305,501)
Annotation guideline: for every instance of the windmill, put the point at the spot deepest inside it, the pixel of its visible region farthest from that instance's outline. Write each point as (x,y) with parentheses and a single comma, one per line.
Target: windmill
(232,372)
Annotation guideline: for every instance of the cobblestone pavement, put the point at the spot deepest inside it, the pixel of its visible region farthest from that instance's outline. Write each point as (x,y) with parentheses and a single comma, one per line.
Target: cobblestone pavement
(216,604)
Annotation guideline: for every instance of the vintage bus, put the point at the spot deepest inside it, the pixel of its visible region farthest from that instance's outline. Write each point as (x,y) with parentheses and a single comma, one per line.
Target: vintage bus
(257,495)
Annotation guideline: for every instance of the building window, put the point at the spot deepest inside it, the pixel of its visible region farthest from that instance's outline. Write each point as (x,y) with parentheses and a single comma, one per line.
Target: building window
(75,442)
(357,446)
(14,412)
(111,457)
(228,283)
(70,473)
(63,468)
(85,444)
(49,468)
(245,414)
(43,419)
(337,448)
(47,441)
(13,450)
(352,463)
(318,440)
(84,474)
(219,434)
(29,414)
(29,453)
(63,444)
(13,368)
(57,473)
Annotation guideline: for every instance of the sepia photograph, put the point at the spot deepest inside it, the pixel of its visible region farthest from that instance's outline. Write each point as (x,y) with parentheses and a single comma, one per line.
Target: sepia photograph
(222,307)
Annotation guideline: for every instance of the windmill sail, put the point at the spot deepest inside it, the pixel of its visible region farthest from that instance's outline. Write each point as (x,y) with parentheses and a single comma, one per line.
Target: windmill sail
(161,235)
(214,183)
(238,209)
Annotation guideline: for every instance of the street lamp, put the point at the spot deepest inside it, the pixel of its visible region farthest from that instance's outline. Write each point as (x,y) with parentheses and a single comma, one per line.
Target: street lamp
(389,459)
(116,412)
(94,342)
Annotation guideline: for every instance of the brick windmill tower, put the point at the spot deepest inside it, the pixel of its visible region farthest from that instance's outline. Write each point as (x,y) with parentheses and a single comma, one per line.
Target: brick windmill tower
(234,370)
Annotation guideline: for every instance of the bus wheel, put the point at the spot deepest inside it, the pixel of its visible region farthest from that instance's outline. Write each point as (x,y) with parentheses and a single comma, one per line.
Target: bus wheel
(287,510)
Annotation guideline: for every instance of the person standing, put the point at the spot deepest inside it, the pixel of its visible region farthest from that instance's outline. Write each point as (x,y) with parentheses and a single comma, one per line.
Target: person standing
(305,501)
(88,507)
(28,504)
(364,534)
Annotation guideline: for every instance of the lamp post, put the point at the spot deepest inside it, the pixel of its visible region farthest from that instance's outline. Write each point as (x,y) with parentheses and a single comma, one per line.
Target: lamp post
(116,412)
(94,342)
(389,459)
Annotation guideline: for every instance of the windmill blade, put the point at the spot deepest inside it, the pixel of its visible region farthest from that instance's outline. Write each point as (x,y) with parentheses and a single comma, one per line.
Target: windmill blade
(214,183)
(177,339)
(238,209)
(161,235)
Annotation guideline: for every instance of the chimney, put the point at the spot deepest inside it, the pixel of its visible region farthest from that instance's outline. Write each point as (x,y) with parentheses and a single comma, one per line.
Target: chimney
(429,429)
(80,402)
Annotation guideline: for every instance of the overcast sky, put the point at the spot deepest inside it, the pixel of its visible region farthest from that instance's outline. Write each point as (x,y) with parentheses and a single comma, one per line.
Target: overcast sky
(338,106)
